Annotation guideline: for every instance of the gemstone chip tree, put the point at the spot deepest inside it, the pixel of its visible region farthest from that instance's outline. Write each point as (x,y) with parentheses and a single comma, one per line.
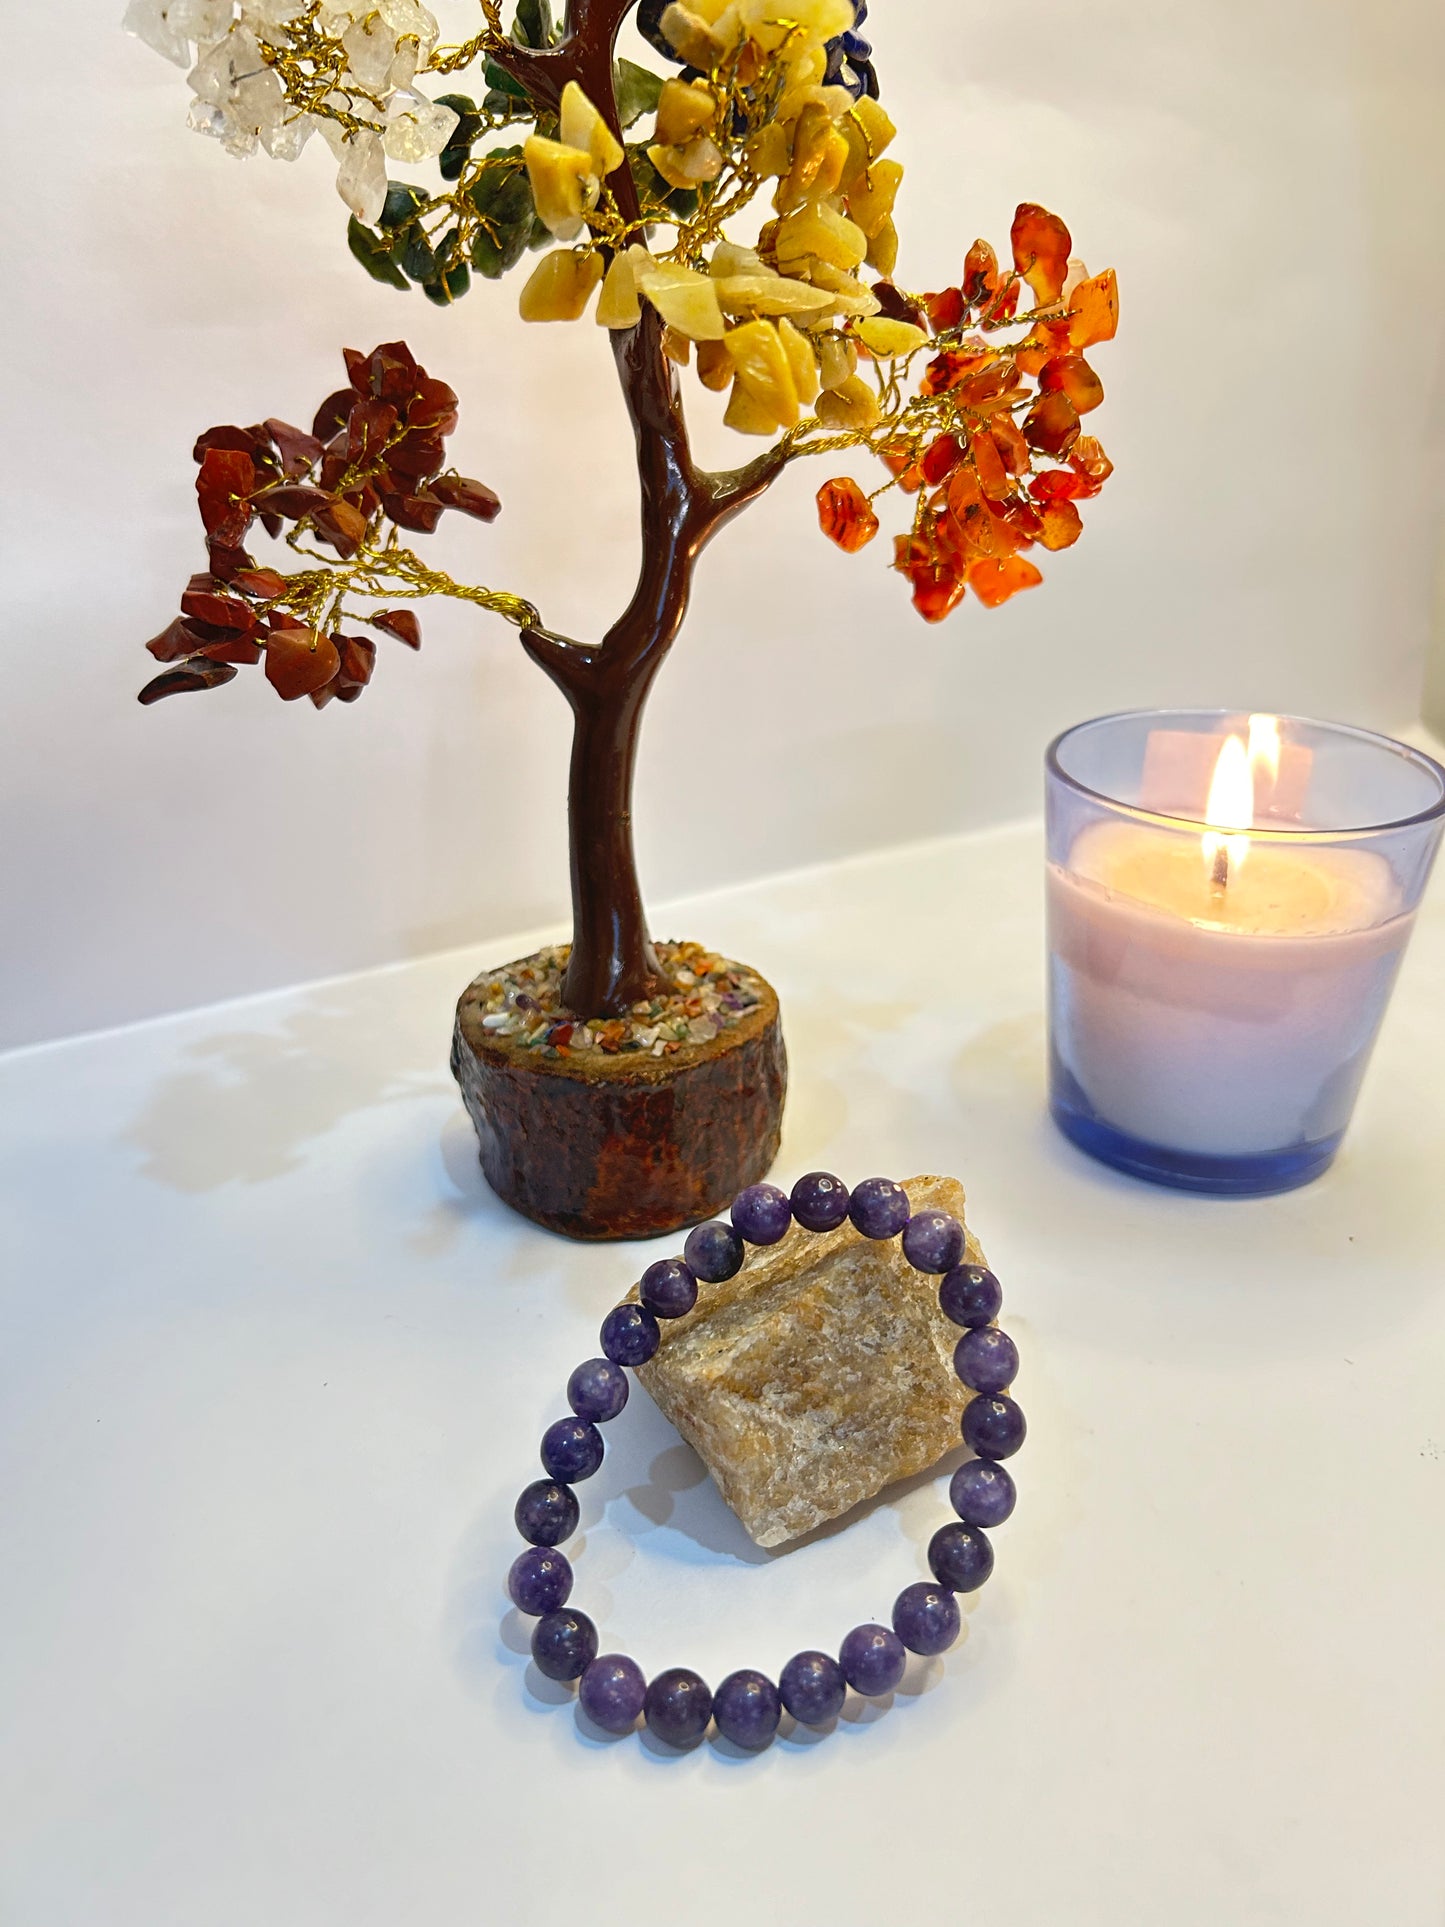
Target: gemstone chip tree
(615,190)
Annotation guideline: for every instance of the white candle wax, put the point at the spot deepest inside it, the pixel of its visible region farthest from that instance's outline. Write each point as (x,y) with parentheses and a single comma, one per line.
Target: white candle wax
(1224,1022)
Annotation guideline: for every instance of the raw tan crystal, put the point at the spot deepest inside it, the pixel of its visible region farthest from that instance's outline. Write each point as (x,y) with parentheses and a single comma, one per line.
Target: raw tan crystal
(820,1374)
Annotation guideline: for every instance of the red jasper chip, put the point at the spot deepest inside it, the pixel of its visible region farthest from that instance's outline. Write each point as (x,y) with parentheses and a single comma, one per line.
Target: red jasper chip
(298,661)
(196,674)
(174,641)
(293,500)
(420,512)
(220,611)
(264,584)
(400,623)
(340,525)
(472,498)
(368,429)
(299,451)
(332,413)
(223,488)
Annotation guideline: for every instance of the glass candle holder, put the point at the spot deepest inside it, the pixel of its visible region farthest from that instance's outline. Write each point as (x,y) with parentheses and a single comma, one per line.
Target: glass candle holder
(1229,898)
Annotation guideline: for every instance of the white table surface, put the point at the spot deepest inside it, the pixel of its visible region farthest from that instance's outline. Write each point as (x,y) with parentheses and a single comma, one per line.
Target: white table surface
(273,1365)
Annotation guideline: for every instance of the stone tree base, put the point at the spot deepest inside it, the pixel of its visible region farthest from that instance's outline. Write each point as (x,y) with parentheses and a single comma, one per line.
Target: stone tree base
(628,1145)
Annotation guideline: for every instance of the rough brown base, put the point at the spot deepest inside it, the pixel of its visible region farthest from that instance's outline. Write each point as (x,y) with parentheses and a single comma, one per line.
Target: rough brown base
(630,1146)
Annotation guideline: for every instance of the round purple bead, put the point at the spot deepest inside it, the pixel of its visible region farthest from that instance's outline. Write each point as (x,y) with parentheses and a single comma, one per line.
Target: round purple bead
(714,1252)
(986,1359)
(540,1580)
(994,1427)
(879,1207)
(571,1449)
(668,1288)
(960,1557)
(630,1335)
(612,1692)
(982,1493)
(820,1201)
(597,1389)
(813,1688)
(933,1241)
(970,1295)
(872,1658)
(546,1513)
(564,1644)
(747,1708)
(678,1706)
(762,1214)
(926,1618)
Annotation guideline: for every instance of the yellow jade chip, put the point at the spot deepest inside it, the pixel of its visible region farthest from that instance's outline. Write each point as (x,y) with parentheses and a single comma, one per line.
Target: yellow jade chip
(564,184)
(686,299)
(618,305)
(801,360)
(766,293)
(870,200)
(683,109)
(699,159)
(886,338)
(765,372)
(867,130)
(883,248)
(837,360)
(582,126)
(852,404)
(819,231)
(560,286)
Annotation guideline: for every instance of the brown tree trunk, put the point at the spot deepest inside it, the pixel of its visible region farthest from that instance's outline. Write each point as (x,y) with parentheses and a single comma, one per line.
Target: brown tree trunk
(613,964)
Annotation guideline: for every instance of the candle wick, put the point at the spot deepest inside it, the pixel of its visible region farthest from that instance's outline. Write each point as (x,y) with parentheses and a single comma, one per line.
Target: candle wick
(1219,875)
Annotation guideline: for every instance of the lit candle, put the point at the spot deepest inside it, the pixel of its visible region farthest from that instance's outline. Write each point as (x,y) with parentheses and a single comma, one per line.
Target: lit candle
(1216,986)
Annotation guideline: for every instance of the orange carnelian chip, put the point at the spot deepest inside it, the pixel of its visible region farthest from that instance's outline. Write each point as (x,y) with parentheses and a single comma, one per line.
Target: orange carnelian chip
(1062,526)
(1048,338)
(1060,485)
(1071,375)
(988,384)
(1013,449)
(937,590)
(1022,520)
(948,369)
(1041,250)
(945,309)
(992,475)
(994,582)
(1052,424)
(1087,458)
(1094,310)
(980,274)
(940,459)
(844,514)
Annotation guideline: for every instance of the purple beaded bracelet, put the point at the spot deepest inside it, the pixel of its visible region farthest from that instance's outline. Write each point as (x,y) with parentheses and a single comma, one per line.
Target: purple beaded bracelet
(677,1705)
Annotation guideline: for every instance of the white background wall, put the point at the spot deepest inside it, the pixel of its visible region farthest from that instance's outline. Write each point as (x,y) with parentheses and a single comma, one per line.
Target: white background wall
(1266,175)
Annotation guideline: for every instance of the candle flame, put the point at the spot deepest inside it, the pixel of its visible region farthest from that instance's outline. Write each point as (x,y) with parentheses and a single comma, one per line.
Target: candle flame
(1231,805)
